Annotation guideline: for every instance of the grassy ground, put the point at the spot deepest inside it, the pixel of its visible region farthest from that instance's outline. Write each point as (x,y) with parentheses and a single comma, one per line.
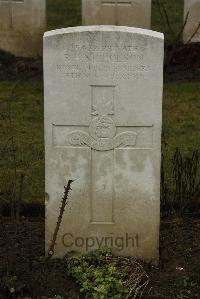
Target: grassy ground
(27,127)
(181,110)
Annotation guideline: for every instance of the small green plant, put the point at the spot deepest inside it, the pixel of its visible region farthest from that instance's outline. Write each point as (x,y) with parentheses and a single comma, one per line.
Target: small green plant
(102,276)
(187,288)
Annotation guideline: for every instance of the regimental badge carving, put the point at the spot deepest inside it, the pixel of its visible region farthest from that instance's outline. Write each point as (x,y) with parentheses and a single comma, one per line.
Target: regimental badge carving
(102,129)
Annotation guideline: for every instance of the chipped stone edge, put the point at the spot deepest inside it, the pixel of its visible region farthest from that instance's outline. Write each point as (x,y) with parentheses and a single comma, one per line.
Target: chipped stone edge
(104,28)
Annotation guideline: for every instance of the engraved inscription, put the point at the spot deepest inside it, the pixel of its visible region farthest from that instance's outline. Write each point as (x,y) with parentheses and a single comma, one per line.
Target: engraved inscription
(112,61)
(125,71)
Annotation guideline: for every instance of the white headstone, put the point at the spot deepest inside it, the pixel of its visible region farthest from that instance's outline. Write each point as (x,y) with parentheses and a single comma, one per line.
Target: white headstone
(103,116)
(192,29)
(22,24)
(134,13)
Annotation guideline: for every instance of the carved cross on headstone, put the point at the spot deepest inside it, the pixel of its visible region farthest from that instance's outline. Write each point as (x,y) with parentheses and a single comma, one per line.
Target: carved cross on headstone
(10,10)
(102,138)
(116,4)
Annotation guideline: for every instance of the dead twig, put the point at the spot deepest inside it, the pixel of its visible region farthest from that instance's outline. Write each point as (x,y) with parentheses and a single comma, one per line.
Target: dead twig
(182,28)
(62,209)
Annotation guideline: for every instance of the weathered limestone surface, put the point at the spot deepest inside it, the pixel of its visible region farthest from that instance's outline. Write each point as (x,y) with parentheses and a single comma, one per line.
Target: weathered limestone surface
(134,13)
(193,7)
(103,117)
(22,24)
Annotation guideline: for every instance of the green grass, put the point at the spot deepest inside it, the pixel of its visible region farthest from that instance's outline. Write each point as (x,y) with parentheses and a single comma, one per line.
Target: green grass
(27,123)
(63,13)
(174,10)
(181,110)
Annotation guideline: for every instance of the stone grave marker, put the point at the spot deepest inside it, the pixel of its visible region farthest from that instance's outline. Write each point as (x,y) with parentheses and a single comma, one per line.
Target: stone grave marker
(134,13)
(103,117)
(22,24)
(192,29)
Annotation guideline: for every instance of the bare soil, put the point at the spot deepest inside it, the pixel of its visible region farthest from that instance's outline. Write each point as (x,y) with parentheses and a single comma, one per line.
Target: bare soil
(18,68)
(23,266)
(182,62)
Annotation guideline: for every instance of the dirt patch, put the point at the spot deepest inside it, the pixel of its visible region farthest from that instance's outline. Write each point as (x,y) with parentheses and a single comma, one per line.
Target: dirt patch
(179,255)
(22,263)
(182,62)
(17,68)
(22,248)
